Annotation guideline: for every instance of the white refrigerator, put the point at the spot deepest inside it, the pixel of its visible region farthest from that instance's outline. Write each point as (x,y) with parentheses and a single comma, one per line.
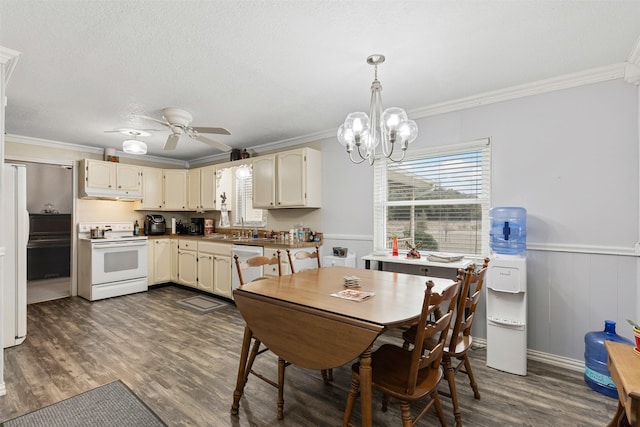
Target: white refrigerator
(15,234)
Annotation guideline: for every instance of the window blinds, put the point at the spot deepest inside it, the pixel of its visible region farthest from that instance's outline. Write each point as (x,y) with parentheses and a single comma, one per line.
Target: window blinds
(439,198)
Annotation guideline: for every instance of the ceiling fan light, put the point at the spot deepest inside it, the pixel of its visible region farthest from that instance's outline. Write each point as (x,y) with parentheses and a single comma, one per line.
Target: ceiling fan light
(133,146)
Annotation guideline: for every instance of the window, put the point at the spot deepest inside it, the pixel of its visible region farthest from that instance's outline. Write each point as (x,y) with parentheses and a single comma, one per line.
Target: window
(438,198)
(242,209)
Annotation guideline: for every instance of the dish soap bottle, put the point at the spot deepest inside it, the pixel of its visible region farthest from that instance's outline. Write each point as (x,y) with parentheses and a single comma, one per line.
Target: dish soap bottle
(136,228)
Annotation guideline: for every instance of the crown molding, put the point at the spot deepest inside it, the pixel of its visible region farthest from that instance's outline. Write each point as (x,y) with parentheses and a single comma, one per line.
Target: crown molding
(46,143)
(632,74)
(9,58)
(627,70)
(146,157)
(632,67)
(596,75)
(286,143)
(582,78)
(634,56)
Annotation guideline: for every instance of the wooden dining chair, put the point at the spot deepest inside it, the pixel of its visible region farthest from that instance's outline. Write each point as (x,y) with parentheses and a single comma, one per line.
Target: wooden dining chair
(411,375)
(302,255)
(327,374)
(459,339)
(255,262)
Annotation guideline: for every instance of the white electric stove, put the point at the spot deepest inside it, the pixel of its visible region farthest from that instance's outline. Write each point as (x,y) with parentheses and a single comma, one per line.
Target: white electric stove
(113,265)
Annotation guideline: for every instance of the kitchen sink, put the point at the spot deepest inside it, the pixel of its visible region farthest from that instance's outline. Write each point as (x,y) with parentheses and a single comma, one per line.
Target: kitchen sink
(220,236)
(216,236)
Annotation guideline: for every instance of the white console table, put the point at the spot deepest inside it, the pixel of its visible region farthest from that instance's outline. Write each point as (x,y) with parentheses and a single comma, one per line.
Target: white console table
(402,264)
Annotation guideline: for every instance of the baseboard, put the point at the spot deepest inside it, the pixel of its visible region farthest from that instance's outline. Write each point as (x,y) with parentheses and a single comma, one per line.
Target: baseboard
(539,356)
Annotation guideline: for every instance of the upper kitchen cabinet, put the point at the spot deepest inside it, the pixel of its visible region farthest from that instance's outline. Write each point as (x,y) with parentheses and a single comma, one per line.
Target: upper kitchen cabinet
(202,188)
(175,189)
(152,194)
(110,180)
(290,179)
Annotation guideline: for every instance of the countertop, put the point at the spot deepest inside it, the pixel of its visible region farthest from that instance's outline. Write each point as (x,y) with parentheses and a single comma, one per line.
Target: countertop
(217,238)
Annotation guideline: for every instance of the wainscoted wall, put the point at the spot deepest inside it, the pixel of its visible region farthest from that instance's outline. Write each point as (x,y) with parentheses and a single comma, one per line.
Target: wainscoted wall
(571,291)
(571,158)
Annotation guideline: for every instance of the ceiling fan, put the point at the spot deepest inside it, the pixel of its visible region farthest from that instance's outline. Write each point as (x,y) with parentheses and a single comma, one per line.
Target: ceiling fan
(178,121)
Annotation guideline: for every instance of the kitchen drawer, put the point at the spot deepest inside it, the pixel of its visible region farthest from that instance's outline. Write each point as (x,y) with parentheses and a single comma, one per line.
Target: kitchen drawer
(214,248)
(188,245)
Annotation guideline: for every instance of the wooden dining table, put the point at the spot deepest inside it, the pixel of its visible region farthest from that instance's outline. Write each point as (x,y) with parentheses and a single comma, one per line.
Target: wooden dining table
(297,318)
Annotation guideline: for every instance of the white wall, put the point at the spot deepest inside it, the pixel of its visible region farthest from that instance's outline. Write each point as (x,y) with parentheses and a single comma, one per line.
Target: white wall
(49,184)
(571,158)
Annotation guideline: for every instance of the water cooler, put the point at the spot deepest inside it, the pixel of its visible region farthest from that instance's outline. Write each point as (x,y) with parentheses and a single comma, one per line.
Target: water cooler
(507,292)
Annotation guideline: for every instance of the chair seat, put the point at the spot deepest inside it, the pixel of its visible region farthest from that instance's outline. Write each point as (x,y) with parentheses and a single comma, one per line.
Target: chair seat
(390,369)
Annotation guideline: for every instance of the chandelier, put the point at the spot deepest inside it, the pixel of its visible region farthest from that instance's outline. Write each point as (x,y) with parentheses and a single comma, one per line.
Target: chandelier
(388,128)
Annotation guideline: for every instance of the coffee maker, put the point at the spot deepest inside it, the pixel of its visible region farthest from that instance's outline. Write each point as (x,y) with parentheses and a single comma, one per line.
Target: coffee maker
(154,224)
(196,226)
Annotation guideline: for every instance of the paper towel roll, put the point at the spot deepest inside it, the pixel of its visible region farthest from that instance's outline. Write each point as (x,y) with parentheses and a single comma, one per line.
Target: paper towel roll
(173,226)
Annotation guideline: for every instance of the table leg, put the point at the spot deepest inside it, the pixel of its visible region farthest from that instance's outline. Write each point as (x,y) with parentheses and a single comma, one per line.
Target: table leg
(242,367)
(366,393)
(616,417)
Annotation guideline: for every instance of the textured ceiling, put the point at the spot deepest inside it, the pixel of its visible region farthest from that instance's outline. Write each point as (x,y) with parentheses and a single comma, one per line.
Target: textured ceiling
(271,71)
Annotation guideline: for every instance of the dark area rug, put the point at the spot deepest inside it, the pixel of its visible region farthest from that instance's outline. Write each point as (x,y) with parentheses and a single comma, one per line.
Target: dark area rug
(201,304)
(111,405)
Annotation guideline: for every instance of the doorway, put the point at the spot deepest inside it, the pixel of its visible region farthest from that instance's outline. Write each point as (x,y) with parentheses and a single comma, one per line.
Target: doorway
(49,249)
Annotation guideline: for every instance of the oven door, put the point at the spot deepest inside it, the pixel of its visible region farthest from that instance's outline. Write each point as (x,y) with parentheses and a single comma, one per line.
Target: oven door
(116,261)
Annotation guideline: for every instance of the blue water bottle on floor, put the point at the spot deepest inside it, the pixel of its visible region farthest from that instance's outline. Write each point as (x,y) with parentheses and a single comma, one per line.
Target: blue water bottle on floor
(596,373)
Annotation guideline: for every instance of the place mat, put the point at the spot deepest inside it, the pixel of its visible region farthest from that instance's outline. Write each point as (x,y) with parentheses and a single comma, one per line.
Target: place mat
(201,304)
(110,405)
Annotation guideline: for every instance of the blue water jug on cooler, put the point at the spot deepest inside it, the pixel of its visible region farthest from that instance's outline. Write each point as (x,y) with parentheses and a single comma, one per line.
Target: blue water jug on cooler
(508,233)
(596,373)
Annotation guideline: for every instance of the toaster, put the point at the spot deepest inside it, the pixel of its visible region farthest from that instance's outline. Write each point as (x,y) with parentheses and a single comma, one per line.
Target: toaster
(155,224)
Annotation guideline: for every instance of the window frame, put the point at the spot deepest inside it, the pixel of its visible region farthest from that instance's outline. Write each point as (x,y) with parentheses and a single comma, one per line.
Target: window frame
(381,202)
(240,199)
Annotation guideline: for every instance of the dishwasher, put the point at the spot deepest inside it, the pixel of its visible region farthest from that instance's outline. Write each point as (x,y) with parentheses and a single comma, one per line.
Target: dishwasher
(245,252)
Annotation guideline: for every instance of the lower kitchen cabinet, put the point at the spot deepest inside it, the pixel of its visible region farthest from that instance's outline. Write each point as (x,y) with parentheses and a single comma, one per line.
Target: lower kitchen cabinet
(188,263)
(159,262)
(204,265)
(214,268)
(222,276)
(174,260)
(205,272)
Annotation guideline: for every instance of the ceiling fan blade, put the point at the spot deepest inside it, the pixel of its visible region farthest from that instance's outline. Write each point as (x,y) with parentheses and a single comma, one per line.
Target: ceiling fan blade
(219,145)
(219,131)
(153,119)
(172,142)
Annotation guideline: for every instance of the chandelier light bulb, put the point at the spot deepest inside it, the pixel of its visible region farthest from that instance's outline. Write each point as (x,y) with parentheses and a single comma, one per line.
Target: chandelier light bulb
(408,131)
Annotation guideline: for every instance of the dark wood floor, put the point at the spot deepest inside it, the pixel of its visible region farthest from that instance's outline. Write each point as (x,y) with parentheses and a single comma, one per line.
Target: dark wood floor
(183,365)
